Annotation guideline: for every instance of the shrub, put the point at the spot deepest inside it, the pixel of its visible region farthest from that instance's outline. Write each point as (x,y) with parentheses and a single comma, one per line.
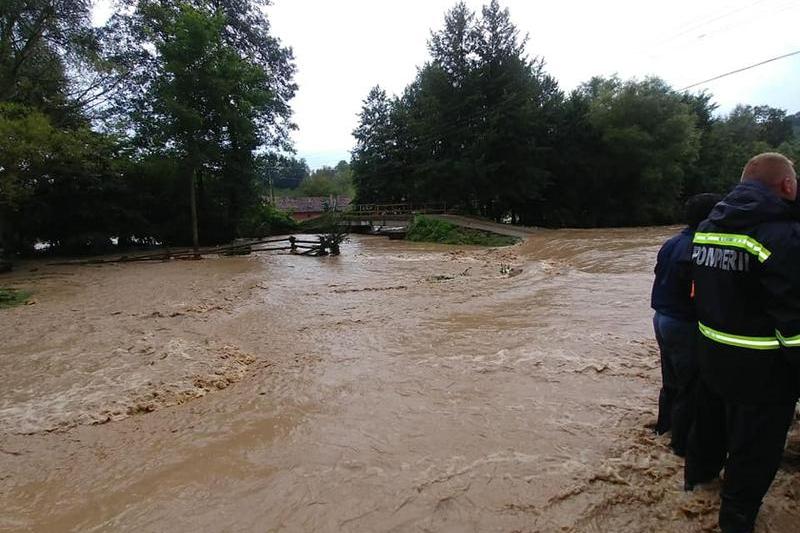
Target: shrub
(263,220)
(12,297)
(426,229)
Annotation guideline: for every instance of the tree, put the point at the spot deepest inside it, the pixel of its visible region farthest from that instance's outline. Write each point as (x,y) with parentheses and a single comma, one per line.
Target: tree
(497,38)
(704,174)
(471,130)
(47,145)
(38,38)
(216,88)
(58,186)
(774,126)
(329,181)
(570,197)
(733,139)
(374,163)
(453,48)
(185,92)
(282,171)
(649,138)
(25,137)
(518,100)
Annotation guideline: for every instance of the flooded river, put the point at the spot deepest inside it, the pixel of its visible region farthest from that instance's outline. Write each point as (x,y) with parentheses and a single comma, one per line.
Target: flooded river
(397,387)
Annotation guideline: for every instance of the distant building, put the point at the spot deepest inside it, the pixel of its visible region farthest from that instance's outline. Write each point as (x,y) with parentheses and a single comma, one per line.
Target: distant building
(305,207)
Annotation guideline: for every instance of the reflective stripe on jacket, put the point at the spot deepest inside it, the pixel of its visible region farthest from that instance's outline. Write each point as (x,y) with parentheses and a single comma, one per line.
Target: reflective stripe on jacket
(746,270)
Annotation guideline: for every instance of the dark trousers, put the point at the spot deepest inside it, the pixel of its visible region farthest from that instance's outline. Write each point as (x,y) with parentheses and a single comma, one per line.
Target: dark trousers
(748,441)
(677,341)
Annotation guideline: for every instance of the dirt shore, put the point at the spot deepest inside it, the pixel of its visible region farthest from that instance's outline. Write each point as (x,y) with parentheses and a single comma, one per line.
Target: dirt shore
(398,387)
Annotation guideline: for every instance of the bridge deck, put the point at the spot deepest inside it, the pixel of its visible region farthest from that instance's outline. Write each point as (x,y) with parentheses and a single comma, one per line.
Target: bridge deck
(400,215)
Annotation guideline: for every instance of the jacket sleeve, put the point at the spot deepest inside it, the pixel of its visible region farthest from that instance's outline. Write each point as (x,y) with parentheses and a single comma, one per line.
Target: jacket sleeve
(684,267)
(780,283)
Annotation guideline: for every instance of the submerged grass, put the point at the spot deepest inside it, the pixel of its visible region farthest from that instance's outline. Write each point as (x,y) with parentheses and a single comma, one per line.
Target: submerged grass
(12,297)
(425,229)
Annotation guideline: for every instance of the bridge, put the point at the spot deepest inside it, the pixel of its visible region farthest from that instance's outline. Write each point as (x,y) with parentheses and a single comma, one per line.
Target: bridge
(387,219)
(393,219)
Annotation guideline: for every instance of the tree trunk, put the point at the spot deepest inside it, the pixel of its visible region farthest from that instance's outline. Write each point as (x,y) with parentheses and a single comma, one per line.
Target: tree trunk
(193,206)
(4,246)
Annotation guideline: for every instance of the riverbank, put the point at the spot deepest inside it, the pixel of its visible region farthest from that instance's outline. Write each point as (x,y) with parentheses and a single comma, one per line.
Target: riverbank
(427,229)
(398,386)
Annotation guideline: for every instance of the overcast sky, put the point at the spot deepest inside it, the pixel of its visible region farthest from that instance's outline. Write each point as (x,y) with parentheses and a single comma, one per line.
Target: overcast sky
(342,48)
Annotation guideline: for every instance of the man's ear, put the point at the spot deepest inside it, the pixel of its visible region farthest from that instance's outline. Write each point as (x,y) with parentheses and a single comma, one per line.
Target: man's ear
(789,188)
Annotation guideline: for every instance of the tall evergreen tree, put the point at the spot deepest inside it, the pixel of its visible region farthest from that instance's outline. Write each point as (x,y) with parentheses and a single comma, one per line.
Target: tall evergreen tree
(375,164)
(453,48)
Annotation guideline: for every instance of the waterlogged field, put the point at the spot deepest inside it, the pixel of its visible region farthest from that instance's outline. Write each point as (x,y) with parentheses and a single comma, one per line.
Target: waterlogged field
(398,387)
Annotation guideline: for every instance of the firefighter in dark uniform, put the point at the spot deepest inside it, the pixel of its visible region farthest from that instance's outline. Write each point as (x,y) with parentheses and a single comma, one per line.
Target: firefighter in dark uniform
(746,271)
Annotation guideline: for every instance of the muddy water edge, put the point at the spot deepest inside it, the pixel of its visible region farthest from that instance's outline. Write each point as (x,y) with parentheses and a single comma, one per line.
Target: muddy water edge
(398,387)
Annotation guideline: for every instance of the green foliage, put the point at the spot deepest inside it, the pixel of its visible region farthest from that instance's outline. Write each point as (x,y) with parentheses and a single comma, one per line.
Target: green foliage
(795,122)
(110,132)
(263,220)
(376,159)
(58,186)
(485,129)
(193,89)
(281,172)
(326,223)
(12,297)
(47,150)
(791,149)
(471,130)
(426,229)
(329,181)
(38,40)
(649,138)
(26,140)
(212,89)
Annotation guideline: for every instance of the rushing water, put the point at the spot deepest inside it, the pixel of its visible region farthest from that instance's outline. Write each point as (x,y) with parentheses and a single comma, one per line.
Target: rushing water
(397,387)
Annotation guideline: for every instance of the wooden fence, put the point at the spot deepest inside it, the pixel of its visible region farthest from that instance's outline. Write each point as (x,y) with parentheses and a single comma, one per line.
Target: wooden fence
(291,244)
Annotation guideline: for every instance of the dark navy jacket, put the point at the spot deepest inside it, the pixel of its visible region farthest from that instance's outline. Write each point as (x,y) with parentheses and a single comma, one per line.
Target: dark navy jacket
(746,271)
(673,285)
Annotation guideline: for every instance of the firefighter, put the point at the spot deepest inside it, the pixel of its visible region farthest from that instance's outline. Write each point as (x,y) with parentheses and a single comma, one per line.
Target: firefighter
(745,261)
(675,325)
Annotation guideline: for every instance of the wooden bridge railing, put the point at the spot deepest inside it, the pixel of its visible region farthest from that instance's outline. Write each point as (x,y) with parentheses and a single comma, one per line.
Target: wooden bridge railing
(383,210)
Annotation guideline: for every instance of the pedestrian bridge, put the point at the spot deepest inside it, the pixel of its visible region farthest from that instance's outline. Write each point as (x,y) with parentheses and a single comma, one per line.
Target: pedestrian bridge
(388,214)
(394,219)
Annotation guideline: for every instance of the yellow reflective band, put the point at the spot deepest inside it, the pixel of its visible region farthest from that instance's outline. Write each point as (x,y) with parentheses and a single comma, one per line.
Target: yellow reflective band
(788,341)
(744,242)
(740,341)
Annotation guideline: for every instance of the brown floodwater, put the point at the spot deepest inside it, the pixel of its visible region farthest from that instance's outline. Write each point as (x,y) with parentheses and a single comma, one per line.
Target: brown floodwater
(397,387)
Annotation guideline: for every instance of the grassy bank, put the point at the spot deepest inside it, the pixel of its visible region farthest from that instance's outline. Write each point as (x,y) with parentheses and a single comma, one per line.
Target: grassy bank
(425,229)
(12,297)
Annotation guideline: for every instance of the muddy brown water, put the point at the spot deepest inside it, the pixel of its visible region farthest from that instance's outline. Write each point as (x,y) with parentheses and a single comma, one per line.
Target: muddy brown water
(398,387)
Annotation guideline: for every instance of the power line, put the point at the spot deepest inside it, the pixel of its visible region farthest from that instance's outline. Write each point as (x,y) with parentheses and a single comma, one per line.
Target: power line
(711,20)
(741,70)
(778,9)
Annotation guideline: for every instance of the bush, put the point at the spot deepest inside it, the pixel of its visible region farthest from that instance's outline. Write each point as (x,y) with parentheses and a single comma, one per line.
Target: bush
(12,297)
(425,229)
(263,220)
